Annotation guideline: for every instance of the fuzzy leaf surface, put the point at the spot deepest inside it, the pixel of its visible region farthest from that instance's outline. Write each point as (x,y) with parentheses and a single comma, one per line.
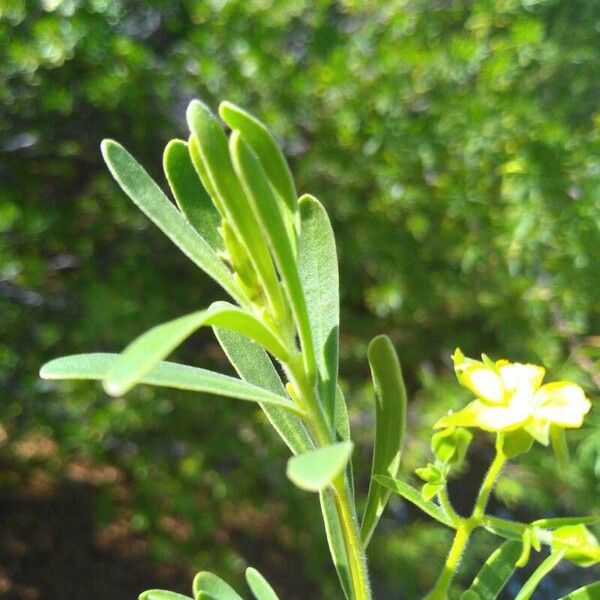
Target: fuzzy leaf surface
(191,197)
(165,374)
(157,343)
(253,364)
(318,266)
(315,470)
(146,194)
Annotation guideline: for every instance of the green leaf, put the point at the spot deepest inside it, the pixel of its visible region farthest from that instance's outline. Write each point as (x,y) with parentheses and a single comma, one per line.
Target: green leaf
(212,584)
(191,197)
(496,571)
(315,470)
(259,585)
(412,495)
(555,522)
(206,596)
(318,266)
(166,374)
(157,343)
(210,151)
(258,137)
(588,592)
(390,425)
(258,190)
(254,365)
(581,545)
(531,584)
(506,529)
(146,194)
(162,595)
(335,540)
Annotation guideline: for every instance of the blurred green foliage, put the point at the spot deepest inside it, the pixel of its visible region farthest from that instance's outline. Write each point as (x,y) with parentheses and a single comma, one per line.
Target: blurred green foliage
(456,145)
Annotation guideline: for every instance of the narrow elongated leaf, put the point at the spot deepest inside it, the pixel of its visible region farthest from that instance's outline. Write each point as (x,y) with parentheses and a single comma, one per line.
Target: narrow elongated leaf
(166,374)
(258,190)
(259,585)
(335,540)
(496,571)
(146,194)
(257,136)
(531,584)
(504,528)
(191,197)
(211,152)
(162,595)
(390,425)
(157,343)
(588,592)
(315,470)
(209,583)
(254,365)
(556,522)
(412,495)
(318,266)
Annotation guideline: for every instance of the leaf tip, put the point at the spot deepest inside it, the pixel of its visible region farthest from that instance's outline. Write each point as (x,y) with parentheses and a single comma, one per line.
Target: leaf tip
(114,388)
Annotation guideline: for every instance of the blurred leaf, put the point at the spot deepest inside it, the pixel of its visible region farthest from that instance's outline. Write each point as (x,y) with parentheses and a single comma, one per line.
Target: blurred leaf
(162,595)
(588,592)
(259,585)
(496,571)
(414,496)
(390,425)
(531,584)
(214,586)
(315,470)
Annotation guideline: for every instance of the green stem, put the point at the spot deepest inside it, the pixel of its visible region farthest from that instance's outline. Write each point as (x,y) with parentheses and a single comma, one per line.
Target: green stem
(354,548)
(345,507)
(447,506)
(440,591)
(489,481)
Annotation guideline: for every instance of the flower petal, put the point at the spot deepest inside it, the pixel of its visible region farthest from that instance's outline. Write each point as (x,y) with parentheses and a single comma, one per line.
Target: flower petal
(520,378)
(481,379)
(467,417)
(499,418)
(562,403)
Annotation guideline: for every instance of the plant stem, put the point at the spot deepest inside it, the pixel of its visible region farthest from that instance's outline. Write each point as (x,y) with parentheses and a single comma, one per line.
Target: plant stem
(354,548)
(447,506)
(461,538)
(344,503)
(488,483)
(440,591)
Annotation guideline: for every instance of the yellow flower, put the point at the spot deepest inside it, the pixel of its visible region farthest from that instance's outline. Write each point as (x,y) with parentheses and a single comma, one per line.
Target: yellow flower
(511,396)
